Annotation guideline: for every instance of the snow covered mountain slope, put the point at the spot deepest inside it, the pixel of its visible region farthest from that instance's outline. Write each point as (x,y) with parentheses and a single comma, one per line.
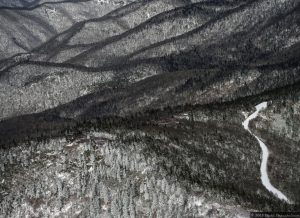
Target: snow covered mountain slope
(134,108)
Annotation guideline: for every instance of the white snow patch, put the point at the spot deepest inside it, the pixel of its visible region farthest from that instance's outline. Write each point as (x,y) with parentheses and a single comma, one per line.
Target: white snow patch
(63,176)
(70,145)
(103,135)
(67,207)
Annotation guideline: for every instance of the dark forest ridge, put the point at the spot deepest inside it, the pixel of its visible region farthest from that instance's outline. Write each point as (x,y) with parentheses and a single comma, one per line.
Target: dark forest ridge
(138,40)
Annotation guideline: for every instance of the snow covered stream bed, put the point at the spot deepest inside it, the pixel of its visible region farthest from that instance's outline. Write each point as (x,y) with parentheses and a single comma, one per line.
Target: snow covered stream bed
(265,155)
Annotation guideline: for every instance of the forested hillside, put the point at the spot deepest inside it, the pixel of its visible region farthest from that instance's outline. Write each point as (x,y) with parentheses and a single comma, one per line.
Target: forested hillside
(134,108)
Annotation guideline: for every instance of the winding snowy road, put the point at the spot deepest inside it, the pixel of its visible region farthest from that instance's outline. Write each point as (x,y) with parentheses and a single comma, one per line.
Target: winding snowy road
(265,155)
